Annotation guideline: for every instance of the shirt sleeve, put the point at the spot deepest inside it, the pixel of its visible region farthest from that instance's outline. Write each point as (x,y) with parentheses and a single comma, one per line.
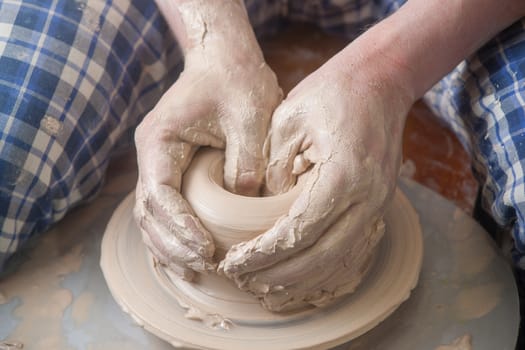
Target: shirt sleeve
(483,101)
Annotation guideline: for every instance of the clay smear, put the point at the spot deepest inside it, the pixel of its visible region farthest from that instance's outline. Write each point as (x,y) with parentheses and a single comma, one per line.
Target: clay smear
(476,302)
(41,326)
(461,343)
(11,345)
(81,307)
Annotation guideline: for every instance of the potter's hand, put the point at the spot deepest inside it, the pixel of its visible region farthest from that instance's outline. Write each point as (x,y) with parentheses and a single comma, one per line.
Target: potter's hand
(224,99)
(343,131)
(344,123)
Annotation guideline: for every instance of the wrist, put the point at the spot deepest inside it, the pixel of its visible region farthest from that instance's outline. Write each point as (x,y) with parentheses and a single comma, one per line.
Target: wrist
(424,40)
(369,67)
(214,29)
(375,56)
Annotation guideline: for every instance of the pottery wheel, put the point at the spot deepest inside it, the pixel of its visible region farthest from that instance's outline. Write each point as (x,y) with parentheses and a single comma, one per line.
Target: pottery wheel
(150,296)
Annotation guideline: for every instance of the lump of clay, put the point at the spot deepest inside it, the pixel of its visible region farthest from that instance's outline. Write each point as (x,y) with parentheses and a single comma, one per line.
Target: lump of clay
(229,217)
(233,219)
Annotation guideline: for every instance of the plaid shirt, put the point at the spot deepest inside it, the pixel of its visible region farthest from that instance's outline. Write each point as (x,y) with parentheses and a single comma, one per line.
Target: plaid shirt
(74,82)
(483,101)
(76,77)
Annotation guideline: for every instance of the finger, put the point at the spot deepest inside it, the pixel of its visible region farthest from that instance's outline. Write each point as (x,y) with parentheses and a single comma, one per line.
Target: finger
(168,207)
(160,182)
(346,275)
(280,174)
(326,195)
(333,267)
(160,259)
(286,142)
(310,266)
(160,207)
(171,248)
(172,228)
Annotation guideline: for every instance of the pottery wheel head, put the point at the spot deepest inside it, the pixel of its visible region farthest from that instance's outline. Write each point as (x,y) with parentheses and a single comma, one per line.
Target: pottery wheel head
(170,307)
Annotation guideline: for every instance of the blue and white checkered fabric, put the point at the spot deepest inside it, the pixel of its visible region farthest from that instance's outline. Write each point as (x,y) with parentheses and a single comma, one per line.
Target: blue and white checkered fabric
(76,77)
(483,101)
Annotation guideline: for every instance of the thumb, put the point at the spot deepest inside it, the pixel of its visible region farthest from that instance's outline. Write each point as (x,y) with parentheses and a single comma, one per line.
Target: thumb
(286,143)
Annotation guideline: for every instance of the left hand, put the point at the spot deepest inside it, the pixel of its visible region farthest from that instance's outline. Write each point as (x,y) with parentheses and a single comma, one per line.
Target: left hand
(220,100)
(345,128)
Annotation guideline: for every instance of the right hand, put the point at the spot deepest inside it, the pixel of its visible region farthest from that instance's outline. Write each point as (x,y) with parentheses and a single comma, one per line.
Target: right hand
(219,101)
(341,129)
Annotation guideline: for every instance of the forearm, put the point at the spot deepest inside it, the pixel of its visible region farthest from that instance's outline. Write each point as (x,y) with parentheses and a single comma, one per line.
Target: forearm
(211,26)
(425,39)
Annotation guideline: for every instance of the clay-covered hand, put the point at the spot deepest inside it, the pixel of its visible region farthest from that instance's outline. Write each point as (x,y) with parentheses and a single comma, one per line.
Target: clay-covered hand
(342,130)
(224,99)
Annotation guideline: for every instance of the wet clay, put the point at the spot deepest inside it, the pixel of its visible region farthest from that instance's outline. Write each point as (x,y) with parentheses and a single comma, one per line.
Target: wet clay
(81,307)
(476,302)
(234,219)
(230,218)
(43,330)
(152,296)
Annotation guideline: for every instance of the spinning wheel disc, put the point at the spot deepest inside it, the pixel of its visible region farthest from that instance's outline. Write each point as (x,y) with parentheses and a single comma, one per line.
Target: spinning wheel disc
(150,296)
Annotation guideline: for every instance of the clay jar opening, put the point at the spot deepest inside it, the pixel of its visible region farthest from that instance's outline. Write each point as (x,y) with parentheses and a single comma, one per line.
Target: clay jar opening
(229,217)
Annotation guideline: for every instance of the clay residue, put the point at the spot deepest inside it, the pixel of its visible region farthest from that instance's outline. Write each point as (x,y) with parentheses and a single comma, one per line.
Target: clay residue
(462,343)
(471,252)
(476,302)
(11,345)
(214,321)
(91,16)
(50,125)
(40,325)
(193,312)
(81,307)
(473,257)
